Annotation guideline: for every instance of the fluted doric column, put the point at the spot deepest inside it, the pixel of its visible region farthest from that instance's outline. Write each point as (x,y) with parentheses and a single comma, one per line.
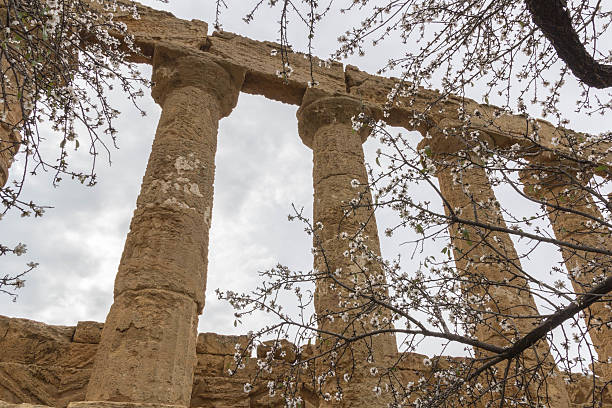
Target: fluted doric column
(574,217)
(488,265)
(325,126)
(147,352)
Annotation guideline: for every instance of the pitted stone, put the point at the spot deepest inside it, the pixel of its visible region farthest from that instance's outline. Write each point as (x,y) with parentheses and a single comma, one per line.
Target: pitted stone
(147,352)
(319,109)
(325,124)
(120,404)
(176,68)
(570,207)
(489,258)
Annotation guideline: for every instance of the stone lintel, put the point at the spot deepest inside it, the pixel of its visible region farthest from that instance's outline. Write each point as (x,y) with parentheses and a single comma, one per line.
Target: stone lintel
(155,27)
(263,63)
(432,109)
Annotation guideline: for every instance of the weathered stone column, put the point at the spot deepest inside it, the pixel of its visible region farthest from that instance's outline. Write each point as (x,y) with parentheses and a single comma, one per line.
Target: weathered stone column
(488,264)
(325,126)
(10,117)
(147,352)
(573,216)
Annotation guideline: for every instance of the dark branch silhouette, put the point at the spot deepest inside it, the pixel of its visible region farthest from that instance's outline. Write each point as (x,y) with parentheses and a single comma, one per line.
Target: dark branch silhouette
(554,20)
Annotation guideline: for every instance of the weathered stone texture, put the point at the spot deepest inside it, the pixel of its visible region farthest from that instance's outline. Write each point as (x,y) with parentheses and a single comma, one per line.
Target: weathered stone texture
(27,342)
(58,385)
(4,404)
(147,353)
(212,343)
(325,125)
(10,137)
(155,27)
(262,76)
(571,212)
(119,404)
(583,390)
(148,346)
(88,332)
(486,260)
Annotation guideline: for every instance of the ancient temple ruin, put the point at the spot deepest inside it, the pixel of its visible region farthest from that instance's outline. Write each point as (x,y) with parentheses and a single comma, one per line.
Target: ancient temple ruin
(160,284)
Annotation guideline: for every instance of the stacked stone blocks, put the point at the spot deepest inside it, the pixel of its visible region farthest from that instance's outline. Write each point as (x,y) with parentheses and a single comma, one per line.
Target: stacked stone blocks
(148,352)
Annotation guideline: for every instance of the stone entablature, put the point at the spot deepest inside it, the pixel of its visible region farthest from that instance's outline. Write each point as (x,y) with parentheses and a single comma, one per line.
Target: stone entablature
(261,65)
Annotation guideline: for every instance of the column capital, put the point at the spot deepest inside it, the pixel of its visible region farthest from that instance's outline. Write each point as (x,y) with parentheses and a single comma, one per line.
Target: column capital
(175,68)
(320,109)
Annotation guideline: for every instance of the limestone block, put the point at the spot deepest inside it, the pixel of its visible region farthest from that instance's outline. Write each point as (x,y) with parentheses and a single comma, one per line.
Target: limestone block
(431,108)
(262,399)
(88,332)
(248,371)
(262,64)
(29,342)
(375,89)
(411,361)
(209,365)
(29,383)
(582,388)
(4,404)
(213,343)
(284,350)
(79,355)
(73,386)
(219,392)
(147,350)
(158,27)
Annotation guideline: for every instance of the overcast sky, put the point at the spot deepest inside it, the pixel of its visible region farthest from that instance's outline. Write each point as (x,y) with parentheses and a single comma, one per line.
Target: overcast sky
(262,168)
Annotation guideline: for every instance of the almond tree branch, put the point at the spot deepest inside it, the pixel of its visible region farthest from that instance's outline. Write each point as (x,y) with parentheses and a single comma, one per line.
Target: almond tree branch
(555,22)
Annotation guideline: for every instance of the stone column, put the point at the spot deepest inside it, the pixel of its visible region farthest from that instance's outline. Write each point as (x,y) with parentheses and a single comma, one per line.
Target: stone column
(325,126)
(10,117)
(573,216)
(488,264)
(147,351)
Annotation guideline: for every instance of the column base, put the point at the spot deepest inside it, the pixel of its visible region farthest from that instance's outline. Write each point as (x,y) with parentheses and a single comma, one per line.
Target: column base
(114,404)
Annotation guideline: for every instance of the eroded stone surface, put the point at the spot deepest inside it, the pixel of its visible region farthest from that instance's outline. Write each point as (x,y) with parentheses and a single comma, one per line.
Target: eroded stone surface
(88,332)
(111,404)
(212,343)
(148,348)
(485,261)
(28,342)
(156,27)
(262,62)
(57,386)
(147,351)
(10,137)
(325,125)
(585,268)
(4,404)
